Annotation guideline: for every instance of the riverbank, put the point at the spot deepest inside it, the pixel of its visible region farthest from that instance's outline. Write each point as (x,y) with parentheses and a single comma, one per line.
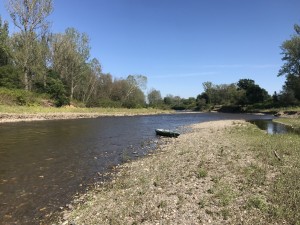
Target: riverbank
(26,114)
(222,172)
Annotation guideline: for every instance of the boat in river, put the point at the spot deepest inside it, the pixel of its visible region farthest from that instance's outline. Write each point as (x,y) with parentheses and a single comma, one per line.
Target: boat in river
(166,133)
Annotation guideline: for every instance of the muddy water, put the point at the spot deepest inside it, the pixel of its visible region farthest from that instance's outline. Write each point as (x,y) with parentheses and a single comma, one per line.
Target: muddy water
(44,164)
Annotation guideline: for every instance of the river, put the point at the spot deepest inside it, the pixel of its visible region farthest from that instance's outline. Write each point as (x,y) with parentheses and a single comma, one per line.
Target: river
(44,164)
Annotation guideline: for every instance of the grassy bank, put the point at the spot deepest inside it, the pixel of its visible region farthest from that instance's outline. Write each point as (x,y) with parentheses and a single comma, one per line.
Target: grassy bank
(105,111)
(225,172)
(293,122)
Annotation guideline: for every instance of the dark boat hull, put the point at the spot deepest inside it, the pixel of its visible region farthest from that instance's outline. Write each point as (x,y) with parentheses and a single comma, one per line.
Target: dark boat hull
(166,133)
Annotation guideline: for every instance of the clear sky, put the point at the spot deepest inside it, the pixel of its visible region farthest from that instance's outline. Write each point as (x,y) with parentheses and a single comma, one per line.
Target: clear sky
(179,44)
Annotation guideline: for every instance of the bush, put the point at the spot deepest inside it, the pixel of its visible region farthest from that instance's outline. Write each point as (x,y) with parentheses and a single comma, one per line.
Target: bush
(20,97)
(10,77)
(231,109)
(56,89)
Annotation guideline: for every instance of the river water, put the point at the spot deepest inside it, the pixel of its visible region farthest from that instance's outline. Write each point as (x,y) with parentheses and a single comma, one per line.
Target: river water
(274,128)
(44,164)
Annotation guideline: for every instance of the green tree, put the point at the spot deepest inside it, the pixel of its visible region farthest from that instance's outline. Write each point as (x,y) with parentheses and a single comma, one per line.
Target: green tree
(10,77)
(4,43)
(104,86)
(222,94)
(56,89)
(91,77)
(169,100)
(71,51)
(135,82)
(208,89)
(154,98)
(291,67)
(253,92)
(30,17)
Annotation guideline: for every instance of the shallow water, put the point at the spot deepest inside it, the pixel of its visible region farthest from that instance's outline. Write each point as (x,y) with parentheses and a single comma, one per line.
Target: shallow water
(272,127)
(44,164)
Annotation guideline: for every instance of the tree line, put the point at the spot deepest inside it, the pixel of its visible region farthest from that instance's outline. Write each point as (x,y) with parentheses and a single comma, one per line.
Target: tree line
(245,93)
(60,65)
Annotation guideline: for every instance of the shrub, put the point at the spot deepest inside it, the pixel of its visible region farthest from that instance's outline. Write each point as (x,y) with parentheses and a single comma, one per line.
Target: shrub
(10,77)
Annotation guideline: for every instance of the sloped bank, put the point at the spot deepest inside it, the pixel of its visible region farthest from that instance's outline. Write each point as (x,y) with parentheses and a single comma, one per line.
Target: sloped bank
(222,172)
(39,116)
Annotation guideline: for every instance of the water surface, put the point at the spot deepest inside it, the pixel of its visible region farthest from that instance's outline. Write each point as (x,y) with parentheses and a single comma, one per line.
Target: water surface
(272,127)
(43,164)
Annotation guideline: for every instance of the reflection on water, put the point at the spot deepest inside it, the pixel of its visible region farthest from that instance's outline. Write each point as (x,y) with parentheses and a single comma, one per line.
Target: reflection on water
(273,127)
(43,164)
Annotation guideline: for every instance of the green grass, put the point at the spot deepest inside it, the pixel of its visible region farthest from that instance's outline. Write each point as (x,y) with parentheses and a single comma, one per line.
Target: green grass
(257,202)
(280,109)
(283,192)
(201,173)
(294,122)
(105,111)
(224,193)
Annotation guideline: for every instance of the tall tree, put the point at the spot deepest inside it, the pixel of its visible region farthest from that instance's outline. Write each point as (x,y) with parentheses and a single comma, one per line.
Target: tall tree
(253,92)
(135,82)
(291,67)
(30,17)
(89,81)
(70,52)
(105,86)
(154,97)
(208,89)
(4,45)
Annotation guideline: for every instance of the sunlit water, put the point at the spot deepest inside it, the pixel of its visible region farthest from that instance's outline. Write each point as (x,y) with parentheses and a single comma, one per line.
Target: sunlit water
(43,164)
(274,128)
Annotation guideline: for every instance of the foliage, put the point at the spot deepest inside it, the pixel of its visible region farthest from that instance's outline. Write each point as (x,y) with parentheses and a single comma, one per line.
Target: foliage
(177,103)
(56,89)
(290,94)
(4,45)
(30,18)
(154,98)
(253,92)
(10,77)
(19,97)
(71,51)
(231,97)
(223,94)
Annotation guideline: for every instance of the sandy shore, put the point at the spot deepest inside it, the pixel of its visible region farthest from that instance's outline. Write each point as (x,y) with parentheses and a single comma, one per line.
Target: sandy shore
(26,117)
(197,178)
(13,117)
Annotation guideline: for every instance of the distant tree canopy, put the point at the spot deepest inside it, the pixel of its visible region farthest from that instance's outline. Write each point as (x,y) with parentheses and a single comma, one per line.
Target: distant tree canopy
(291,69)
(245,92)
(253,93)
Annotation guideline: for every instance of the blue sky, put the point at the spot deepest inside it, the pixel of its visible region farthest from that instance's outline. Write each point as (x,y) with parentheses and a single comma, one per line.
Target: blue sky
(179,44)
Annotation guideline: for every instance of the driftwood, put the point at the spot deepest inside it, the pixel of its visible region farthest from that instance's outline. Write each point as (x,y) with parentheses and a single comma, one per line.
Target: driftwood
(276,155)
